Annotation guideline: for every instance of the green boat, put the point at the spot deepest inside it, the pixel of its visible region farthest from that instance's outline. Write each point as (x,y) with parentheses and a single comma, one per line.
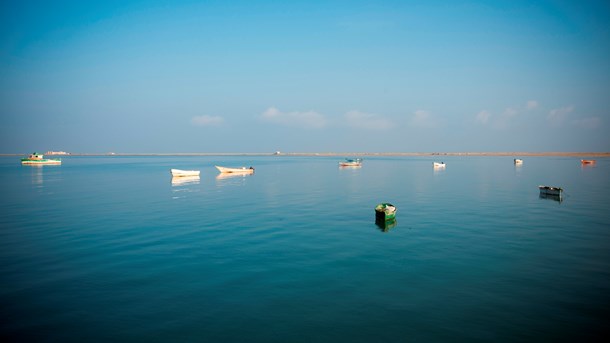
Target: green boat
(38,159)
(385,212)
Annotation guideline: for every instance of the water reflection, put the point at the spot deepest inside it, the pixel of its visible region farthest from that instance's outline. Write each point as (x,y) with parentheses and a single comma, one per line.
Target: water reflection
(553,197)
(224,176)
(37,177)
(185,180)
(385,226)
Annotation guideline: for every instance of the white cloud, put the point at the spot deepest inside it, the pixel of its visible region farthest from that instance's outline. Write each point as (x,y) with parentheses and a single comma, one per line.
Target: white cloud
(588,123)
(206,120)
(423,118)
(309,119)
(532,104)
(367,120)
(483,117)
(558,116)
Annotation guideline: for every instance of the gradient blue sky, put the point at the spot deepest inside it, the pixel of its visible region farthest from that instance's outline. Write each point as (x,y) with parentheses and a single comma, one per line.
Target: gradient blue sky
(304,76)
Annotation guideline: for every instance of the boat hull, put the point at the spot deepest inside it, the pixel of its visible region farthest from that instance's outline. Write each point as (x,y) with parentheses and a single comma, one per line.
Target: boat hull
(385,212)
(242,170)
(549,190)
(27,161)
(184,173)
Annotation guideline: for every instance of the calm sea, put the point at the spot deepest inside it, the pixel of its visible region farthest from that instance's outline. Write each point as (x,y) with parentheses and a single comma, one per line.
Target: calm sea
(110,249)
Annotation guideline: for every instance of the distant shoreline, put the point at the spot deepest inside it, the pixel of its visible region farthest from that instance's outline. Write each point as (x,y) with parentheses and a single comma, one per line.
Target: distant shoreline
(343,154)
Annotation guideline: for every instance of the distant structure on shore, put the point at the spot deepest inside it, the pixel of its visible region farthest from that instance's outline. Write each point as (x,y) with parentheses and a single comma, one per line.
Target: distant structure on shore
(57,153)
(277,152)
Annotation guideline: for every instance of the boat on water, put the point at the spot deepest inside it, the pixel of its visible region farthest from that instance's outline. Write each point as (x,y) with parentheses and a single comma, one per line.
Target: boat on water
(242,170)
(550,190)
(518,161)
(351,162)
(38,159)
(385,212)
(184,173)
(587,162)
(438,164)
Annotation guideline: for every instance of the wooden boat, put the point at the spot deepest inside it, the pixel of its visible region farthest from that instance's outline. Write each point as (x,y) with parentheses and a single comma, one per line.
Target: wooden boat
(38,159)
(385,212)
(242,170)
(438,164)
(518,161)
(550,190)
(351,162)
(184,173)
(587,161)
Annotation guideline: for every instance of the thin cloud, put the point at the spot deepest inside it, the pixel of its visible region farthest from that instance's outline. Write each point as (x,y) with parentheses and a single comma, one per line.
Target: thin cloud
(531,105)
(364,120)
(206,120)
(483,117)
(309,119)
(423,119)
(588,123)
(558,116)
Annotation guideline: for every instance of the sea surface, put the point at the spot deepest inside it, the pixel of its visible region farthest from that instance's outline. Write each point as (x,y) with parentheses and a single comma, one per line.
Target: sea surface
(111,249)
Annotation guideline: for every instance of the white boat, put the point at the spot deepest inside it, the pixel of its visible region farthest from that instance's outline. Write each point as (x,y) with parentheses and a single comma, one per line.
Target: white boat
(242,170)
(438,164)
(349,162)
(550,190)
(518,161)
(184,173)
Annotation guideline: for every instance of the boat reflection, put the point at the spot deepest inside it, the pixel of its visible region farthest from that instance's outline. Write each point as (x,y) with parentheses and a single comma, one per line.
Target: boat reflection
(185,180)
(385,226)
(223,176)
(37,177)
(554,197)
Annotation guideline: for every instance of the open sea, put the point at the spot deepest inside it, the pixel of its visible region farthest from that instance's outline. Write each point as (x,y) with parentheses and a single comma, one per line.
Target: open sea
(111,249)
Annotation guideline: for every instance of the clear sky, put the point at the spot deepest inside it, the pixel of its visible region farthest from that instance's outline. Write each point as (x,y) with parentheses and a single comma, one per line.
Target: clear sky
(304,76)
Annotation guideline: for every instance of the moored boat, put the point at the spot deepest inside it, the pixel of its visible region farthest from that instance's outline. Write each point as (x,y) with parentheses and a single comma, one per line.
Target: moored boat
(385,212)
(550,190)
(351,162)
(184,173)
(438,164)
(38,159)
(518,161)
(587,161)
(235,170)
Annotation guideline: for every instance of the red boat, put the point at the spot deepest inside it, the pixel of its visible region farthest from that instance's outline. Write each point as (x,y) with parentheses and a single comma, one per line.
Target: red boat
(587,161)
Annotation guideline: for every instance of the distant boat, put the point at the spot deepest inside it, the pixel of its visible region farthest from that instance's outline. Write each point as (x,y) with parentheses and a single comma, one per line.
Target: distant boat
(518,161)
(38,159)
(184,173)
(587,161)
(438,164)
(385,212)
(550,190)
(242,170)
(351,162)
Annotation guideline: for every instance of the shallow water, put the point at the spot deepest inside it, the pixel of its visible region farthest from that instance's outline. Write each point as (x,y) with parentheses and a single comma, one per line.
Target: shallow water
(110,249)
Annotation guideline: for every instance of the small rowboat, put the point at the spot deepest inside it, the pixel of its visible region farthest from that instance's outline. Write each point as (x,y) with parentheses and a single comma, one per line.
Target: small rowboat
(550,190)
(518,161)
(242,170)
(38,159)
(587,161)
(349,162)
(184,173)
(438,164)
(385,212)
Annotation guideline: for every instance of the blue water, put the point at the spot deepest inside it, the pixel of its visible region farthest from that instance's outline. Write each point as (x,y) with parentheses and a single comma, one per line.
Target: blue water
(110,249)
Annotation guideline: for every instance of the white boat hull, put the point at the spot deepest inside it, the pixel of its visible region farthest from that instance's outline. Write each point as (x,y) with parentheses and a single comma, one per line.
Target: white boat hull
(184,173)
(438,165)
(242,170)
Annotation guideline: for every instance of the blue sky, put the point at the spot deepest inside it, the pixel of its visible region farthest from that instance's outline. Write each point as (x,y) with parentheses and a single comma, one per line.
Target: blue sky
(310,76)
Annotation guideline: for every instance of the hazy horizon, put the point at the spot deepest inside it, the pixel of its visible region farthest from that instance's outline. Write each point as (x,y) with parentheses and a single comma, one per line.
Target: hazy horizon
(261,76)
